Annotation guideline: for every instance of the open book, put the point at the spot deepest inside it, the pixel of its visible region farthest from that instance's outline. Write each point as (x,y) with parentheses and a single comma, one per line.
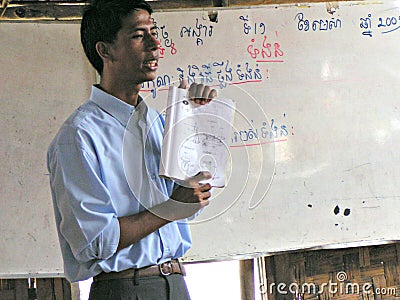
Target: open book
(196,137)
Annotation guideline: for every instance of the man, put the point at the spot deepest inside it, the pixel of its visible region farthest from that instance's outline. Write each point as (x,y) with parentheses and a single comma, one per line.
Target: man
(127,239)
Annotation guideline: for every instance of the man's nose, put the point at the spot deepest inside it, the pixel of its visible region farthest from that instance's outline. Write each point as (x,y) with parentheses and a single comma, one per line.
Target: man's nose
(153,43)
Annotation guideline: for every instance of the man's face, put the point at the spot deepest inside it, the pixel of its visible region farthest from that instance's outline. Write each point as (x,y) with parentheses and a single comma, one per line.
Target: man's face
(135,51)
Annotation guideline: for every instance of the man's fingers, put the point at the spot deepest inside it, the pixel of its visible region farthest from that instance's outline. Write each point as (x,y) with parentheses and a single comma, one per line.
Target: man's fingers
(204,203)
(206,92)
(194,182)
(205,187)
(203,175)
(183,84)
(192,90)
(201,93)
(213,94)
(206,195)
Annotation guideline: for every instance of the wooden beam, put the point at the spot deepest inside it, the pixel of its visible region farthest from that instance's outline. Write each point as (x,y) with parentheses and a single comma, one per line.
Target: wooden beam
(235,3)
(243,3)
(71,11)
(51,10)
(177,4)
(44,11)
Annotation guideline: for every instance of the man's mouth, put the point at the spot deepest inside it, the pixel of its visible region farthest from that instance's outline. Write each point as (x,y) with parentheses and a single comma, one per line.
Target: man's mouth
(151,63)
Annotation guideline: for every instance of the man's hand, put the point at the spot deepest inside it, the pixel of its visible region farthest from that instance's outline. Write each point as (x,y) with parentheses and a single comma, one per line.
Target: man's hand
(186,200)
(199,93)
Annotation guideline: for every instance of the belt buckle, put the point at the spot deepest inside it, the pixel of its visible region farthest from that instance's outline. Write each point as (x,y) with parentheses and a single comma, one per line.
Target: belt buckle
(166,268)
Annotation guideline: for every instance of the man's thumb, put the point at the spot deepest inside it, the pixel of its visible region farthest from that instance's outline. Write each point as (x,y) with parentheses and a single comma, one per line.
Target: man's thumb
(183,84)
(203,175)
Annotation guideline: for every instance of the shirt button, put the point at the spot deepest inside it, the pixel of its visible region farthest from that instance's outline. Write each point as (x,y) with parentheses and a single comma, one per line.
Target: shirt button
(153,176)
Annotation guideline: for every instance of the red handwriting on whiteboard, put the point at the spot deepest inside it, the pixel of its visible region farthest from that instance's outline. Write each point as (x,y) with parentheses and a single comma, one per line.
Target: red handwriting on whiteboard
(165,41)
(265,50)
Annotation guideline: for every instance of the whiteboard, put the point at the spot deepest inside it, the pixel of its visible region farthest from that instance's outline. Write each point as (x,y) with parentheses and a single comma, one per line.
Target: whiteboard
(313,160)
(44,77)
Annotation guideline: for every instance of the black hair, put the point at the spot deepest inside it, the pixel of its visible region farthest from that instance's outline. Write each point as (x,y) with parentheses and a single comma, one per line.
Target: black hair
(101,22)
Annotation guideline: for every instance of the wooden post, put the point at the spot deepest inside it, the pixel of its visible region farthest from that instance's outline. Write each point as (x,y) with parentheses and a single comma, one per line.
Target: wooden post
(53,288)
(247,279)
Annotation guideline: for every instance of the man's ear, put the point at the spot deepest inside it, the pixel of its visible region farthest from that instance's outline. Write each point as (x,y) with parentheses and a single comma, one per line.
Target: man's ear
(103,49)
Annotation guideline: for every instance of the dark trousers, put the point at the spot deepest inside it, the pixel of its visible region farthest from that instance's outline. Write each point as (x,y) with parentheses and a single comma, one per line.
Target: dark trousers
(171,287)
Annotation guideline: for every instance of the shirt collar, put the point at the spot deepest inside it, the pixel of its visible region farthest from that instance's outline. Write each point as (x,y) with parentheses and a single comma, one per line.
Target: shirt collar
(117,108)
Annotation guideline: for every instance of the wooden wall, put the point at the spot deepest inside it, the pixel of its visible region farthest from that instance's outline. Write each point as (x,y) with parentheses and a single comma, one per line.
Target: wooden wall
(368,273)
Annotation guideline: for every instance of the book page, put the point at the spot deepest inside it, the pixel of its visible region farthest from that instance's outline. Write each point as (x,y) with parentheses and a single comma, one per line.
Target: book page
(196,137)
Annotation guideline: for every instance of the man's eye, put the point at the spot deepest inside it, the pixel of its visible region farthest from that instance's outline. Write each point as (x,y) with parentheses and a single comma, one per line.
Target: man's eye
(137,36)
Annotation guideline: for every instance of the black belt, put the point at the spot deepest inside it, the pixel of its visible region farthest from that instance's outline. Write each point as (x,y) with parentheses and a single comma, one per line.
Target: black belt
(164,269)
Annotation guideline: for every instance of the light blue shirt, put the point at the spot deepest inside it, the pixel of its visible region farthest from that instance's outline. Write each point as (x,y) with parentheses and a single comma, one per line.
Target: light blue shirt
(97,174)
